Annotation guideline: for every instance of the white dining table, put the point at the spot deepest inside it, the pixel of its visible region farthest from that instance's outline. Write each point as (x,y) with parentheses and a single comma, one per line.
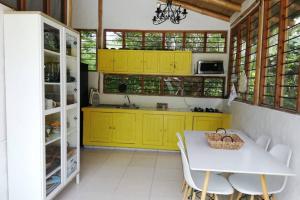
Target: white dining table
(250,159)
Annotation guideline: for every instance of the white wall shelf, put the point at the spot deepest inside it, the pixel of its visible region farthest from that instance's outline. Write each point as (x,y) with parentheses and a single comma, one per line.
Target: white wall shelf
(37,50)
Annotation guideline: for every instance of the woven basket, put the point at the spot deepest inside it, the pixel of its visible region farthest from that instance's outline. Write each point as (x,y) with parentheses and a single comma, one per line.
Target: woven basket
(224,141)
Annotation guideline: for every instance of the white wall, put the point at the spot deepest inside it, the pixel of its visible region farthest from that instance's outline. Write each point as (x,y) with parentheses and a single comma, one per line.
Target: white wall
(122,14)
(3,164)
(282,127)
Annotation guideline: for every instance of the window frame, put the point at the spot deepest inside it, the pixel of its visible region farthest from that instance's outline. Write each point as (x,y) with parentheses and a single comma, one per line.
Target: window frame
(96,32)
(161,83)
(236,32)
(224,33)
(283,5)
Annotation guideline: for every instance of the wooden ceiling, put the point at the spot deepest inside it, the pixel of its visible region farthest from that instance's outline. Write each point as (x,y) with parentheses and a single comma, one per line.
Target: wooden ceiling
(220,9)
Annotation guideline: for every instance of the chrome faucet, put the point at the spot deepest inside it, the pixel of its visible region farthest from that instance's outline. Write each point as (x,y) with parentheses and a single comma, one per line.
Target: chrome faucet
(129,102)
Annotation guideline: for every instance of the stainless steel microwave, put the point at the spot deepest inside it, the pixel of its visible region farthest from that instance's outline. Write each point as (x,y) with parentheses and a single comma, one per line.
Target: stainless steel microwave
(209,67)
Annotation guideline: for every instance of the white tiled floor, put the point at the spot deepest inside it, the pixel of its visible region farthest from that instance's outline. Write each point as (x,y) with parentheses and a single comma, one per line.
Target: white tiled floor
(127,175)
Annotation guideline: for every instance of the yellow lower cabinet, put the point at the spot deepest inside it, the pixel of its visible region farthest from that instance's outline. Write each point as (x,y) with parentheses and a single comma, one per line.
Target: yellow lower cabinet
(153,126)
(124,128)
(101,127)
(207,123)
(172,125)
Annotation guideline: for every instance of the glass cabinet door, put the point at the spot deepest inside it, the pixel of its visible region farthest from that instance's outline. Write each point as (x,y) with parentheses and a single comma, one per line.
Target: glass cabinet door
(71,102)
(72,146)
(71,69)
(53,111)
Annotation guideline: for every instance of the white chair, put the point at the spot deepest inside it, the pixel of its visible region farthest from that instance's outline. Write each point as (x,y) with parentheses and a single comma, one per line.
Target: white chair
(263,141)
(180,140)
(217,185)
(251,185)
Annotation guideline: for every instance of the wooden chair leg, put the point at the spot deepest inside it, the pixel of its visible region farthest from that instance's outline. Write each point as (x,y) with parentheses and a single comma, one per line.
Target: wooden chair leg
(216,197)
(194,195)
(252,197)
(185,191)
(239,196)
(273,197)
(183,185)
(189,193)
(231,197)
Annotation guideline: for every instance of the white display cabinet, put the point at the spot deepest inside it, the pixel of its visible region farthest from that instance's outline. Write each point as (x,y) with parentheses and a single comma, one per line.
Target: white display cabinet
(42,96)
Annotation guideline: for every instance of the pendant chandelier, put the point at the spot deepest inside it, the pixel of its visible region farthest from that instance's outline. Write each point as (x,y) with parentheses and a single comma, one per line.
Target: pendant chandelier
(169,11)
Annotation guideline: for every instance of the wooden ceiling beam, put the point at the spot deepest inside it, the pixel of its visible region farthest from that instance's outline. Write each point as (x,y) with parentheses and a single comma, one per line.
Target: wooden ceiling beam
(223,4)
(200,10)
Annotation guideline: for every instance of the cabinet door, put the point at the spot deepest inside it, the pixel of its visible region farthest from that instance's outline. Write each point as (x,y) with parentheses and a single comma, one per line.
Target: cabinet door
(153,129)
(172,125)
(120,61)
(106,60)
(101,126)
(166,62)
(135,61)
(183,63)
(150,62)
(124,128)
(207,123)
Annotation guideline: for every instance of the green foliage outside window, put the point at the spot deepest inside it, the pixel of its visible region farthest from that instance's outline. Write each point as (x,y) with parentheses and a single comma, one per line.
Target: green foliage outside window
(195,41)
(88,45)
(166,85)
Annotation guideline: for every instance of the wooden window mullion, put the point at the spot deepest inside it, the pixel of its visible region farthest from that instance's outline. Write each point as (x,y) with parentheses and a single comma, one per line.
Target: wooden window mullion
(280,54)
(123,39)
(258,56)
(298,92)
(231,47)
(183,40)
(163,40)
(247,56)
(264,52)
(238,56)
(205,42)
(143,40)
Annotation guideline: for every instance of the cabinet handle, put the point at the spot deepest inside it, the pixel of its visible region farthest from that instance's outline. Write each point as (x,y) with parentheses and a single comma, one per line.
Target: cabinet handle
(174,66)
(75,118)
(75,90)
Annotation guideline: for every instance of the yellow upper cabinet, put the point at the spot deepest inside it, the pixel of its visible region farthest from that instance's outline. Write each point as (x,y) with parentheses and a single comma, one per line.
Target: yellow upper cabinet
(105,60)
(120,61)
(166,62)
(183,63)
(145,62)
(135,61)
(150,62)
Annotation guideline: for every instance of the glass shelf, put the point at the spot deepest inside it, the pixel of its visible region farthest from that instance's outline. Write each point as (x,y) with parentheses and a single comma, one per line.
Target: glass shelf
(53,182)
